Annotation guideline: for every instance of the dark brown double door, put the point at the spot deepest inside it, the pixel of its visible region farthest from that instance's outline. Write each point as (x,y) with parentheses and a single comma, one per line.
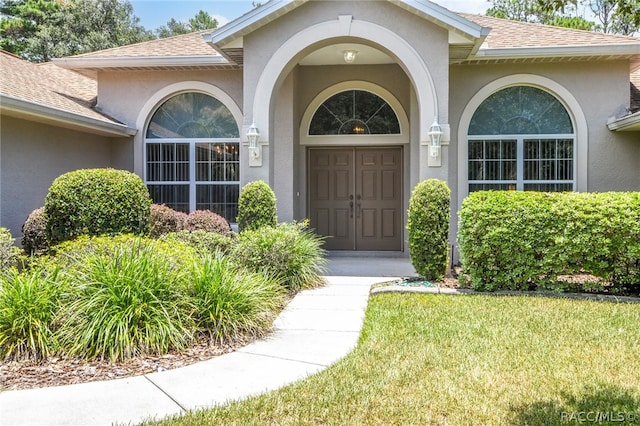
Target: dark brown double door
(355,197)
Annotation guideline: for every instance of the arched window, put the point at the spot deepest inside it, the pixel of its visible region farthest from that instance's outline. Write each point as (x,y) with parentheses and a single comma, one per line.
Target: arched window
(354,112)
(521,138)
(192,157)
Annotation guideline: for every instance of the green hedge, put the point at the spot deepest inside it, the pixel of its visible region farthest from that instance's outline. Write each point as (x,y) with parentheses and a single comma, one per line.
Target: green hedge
(96,202)
(428,226)
(526,240)
(256,206)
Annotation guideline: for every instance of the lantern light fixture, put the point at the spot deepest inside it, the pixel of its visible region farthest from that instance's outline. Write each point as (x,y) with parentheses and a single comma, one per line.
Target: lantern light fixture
(253,135)
(350,56)
(435,134)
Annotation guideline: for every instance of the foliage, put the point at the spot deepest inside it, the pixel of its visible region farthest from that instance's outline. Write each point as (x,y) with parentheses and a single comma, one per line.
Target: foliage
(163,220)
(203,241)
(8,251)
(526,240)
(256,206)
(291,253)
(202,21)
(39,30)
(463,360)
(128,299)
(28,305)
(34,232)
(209,221)
(95,202)
(615,16)
(428,225)
(230,302)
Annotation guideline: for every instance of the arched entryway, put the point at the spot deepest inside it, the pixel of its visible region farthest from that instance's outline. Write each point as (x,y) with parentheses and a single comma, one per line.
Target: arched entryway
(355,150)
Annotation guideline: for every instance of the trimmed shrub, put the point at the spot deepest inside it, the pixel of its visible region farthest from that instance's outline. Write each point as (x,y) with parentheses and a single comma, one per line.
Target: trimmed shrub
(256,206)
(291,253)
(28,306)
(9,253)
(96,202)
(34,232)
(202,241)
(129,298)
(231,302)
(163,219)
(526,240)
(209,221)
(428,225)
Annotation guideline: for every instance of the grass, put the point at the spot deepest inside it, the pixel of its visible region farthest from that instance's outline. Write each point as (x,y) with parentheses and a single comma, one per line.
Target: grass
(428,359)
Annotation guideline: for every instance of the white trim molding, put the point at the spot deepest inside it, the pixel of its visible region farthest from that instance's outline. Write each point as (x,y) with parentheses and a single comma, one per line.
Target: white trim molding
(167,92)
(283,60)
(570,103)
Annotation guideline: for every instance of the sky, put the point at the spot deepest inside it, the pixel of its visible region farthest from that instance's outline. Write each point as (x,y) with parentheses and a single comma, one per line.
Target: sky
(155,13)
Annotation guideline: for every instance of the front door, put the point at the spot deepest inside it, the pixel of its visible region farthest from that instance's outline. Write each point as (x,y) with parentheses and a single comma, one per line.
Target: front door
(355,197)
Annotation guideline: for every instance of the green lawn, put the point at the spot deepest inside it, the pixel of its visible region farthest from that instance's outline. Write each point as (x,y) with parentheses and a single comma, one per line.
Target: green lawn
(428,359)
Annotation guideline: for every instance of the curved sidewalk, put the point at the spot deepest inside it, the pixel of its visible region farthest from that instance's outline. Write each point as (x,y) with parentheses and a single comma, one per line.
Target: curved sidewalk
(316,329)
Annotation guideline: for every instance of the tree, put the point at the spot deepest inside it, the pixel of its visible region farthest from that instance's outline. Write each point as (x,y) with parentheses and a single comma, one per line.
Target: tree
(202,21)
(71,27)
(617,16)
(20,20)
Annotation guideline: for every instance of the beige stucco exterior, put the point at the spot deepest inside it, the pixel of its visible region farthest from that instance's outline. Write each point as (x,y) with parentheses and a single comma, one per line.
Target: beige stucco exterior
(275,89)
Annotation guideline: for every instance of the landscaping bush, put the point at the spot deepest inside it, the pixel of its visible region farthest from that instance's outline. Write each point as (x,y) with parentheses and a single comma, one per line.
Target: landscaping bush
(526,240)
(203,241)
(231,302)
(34,232)
(9,253)
(209,221)
(256,206)
(96,202)
(428,225)
(28,306)
(163,219)
(291,253)
(129,298)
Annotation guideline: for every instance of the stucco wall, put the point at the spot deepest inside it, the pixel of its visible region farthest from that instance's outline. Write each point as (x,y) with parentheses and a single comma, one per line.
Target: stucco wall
(32,155)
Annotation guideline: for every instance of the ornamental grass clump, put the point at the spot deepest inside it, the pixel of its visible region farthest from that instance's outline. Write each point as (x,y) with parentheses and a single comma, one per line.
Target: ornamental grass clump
(28,306)
(290,252)
(129,298)
(204,242)
(231,302)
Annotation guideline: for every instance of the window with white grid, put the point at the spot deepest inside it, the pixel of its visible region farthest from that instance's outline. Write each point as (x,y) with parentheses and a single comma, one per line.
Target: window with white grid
(521,138)
(192,155)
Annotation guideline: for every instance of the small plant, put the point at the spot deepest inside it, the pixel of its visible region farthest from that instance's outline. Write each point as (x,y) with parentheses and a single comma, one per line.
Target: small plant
(9,253)
(256,206)
(230,302)
(163,220)
(129,298)
(289,252)
(202,241)
(34,232)
(209,221)
(96,202)
(428,225)
(28,305)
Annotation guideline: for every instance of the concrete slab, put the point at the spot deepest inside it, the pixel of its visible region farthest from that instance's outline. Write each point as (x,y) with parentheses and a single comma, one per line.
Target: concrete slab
(97,403)
(230,377)
(311,346)
(336,320)
(365,266)
(329,302)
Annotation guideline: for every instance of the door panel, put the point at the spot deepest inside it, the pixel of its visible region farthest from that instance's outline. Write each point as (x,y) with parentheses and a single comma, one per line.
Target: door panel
(355,197)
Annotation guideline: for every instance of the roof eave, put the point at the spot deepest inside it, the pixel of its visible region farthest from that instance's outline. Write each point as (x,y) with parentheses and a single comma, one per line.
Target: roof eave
(625,49)
(142,62)
(46,114)
(628,123)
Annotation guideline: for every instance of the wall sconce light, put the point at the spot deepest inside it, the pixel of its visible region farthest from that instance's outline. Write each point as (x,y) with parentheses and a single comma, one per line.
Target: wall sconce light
(435,134)
(253,135)
(350,56)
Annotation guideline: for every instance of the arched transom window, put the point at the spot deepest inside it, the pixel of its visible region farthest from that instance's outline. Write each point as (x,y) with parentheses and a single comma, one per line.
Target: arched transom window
(354,112)
(521,138)
(192,155)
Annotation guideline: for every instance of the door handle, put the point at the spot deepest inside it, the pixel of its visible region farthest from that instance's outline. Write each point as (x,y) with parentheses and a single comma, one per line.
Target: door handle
(359,206)
(351,206)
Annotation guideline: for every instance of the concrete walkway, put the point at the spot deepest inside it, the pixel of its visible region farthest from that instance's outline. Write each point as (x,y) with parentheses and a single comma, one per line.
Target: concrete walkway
(316,329)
